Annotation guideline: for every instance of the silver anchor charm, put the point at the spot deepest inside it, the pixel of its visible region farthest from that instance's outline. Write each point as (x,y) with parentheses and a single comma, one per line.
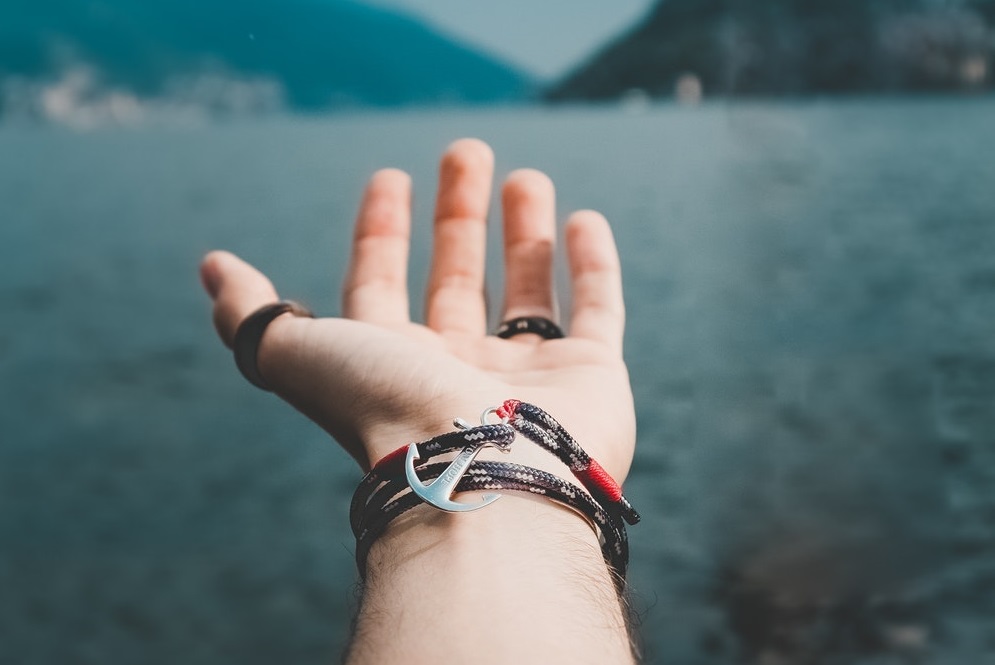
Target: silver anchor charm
(439,491)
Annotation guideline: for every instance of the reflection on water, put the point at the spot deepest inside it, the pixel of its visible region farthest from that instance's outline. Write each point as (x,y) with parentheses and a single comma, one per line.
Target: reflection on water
(811,294)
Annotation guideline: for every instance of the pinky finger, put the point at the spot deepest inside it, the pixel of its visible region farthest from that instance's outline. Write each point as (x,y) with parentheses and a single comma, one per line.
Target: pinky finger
(596,280)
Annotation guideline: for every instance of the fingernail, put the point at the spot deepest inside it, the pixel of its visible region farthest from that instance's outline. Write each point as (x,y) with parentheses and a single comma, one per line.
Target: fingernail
(211,278)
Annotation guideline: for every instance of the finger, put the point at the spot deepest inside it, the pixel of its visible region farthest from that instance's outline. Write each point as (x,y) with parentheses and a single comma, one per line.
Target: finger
(376,285)
(596,280)
(237,289)
(529,202)
(455,299)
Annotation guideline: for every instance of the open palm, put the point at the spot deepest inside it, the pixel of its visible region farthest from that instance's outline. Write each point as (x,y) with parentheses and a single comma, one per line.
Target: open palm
(376,381)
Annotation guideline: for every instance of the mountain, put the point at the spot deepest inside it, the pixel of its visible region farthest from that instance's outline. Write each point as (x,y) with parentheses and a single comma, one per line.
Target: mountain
(313,53)
(794,47)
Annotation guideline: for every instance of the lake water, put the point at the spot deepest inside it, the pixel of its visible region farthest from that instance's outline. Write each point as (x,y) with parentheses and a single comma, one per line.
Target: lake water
(811,294)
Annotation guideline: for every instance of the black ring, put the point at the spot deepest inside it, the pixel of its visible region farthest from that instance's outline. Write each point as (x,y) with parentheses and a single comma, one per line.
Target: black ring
(536,325)
(250,334)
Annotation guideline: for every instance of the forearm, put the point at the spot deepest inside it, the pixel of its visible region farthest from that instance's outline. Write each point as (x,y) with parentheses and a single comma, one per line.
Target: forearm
(522,578)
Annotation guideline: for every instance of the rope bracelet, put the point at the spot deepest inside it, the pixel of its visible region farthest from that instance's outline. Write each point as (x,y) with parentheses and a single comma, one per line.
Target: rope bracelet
(395,485)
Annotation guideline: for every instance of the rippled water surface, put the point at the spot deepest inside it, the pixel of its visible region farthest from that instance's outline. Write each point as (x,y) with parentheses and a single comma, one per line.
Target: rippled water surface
(811,294)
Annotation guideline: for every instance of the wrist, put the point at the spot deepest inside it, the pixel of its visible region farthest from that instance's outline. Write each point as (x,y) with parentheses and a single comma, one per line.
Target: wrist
(382,496)
(390,430)
(387,436)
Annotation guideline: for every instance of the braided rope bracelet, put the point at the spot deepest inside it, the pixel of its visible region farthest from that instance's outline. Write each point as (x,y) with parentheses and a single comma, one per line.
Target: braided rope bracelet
(395,485)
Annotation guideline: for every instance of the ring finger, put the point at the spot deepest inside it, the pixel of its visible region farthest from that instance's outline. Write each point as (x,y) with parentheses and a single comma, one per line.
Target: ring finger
(529,202)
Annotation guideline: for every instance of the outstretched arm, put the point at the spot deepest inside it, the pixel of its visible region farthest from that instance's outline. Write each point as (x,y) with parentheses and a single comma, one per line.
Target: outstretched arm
(523,579)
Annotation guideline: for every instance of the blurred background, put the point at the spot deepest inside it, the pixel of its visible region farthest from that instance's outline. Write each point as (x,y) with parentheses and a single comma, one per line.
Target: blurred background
(804,196)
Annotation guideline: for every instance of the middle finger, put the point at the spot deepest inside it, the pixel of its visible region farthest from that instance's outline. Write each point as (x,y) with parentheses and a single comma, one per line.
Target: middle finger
(455,299)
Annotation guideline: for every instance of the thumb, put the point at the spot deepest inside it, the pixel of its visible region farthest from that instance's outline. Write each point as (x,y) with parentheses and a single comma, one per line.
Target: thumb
(236,288)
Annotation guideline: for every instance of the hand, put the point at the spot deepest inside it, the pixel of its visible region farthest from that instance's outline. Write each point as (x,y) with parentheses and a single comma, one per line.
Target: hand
(375,380)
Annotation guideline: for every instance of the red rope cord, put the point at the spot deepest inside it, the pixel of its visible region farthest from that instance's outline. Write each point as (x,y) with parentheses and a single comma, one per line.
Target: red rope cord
(392,463)
(596,476)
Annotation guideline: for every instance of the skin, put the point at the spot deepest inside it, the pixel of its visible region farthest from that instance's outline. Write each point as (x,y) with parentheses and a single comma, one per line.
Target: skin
(523,576)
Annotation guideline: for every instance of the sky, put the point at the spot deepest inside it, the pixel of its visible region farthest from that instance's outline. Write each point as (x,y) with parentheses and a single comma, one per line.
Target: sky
(545,38)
